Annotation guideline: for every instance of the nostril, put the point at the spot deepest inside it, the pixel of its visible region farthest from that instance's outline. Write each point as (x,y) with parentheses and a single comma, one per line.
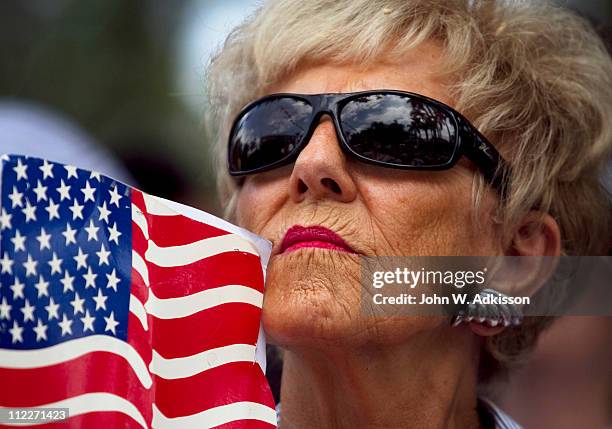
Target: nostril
(302,187)
(331,184)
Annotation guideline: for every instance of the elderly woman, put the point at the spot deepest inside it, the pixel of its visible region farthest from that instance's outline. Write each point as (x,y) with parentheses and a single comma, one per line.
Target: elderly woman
(351,144)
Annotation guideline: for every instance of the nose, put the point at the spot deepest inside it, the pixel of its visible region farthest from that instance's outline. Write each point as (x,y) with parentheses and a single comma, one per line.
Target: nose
(320,171)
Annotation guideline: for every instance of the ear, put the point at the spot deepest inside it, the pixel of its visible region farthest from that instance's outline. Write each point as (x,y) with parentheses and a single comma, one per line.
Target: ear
(537,237)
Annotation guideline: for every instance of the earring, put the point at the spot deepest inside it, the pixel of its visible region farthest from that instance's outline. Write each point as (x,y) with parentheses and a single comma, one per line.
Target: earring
(495,312)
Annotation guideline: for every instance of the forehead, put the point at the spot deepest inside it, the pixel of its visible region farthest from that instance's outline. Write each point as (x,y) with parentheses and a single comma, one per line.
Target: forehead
(415,71)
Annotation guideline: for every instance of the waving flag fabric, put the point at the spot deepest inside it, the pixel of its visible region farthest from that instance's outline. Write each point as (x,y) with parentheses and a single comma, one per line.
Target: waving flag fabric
(130,310)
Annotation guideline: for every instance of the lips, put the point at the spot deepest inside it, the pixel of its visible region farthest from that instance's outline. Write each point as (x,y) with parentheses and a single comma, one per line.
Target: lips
(298,237)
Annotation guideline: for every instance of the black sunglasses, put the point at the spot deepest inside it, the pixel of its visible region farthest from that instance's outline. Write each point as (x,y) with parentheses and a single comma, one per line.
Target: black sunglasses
(388,128)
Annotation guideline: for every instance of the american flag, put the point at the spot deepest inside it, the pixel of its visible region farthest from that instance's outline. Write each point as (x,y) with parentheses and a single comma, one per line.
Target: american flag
(130,310)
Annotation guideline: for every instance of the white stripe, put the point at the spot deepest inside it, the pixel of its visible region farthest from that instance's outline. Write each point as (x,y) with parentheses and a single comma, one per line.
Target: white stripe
(173,308)
(138,310)
(140,266)
(60,353)
(183,367)
(155,206)
(176,256)
(216,416)
(93,402)
(140,220)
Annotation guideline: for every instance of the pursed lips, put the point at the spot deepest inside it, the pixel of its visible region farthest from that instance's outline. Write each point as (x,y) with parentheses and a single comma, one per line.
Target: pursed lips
(299,237)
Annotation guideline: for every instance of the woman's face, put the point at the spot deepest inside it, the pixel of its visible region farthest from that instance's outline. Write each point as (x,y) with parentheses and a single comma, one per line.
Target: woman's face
(312,293)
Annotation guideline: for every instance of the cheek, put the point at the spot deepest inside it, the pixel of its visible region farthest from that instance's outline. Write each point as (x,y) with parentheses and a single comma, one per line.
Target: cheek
(257,202)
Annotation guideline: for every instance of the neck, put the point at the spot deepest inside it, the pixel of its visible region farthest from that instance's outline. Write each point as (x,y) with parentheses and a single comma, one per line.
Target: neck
(430,382)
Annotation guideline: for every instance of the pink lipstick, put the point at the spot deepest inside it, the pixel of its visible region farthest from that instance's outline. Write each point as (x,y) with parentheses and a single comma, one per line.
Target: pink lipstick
(298,237)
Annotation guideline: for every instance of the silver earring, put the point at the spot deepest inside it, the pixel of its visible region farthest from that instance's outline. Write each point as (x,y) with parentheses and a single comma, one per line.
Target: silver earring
(494,314)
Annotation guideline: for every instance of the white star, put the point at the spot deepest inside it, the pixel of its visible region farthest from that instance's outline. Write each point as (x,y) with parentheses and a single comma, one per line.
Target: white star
(95,175)
(7,264)
(52,209)
(67,282)
(28,311)
(114,196)
(92,231)
(113,280)
(114,233)
(52,309)
(42,286)
(103,255)
(69,234)
(15,198)
(40,191)
(41,331)
(16,332)
(20,170)
(90,278)
(88,192)
(81,259)
(47,169)
(66,325)
(17,288)
(29,211)
(43,239)
(56,264)
(111,323)
(5,220)
(88,321)
(64,191)
(77,303)
(71,170)
(19,241)
(5,309)
(100,300)
(76,209)
(104,212)
(30,266)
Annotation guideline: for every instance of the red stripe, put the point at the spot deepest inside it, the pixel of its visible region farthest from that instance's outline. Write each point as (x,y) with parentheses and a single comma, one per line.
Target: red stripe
(246,424)
(179,230)
(232,323)
(139,242)
(230,268)
(139,289)
(235,382)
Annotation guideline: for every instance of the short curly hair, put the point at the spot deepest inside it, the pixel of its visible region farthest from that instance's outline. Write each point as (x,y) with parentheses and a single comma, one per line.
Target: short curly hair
(534,78)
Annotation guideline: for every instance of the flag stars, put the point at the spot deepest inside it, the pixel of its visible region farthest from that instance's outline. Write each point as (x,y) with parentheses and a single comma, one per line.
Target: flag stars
(90,278)
(77,304)
(30,266)
(41,331)
(104,213)
(69,234)
(114,196)
(88,192)
(100,300)
(52,309)
(28,311)
(21,170)
(5,309)
(103,255)
(47,169)
(29,211)
(43,239)
(5,220)
(56,264)
(67,281)
(16,333)
(76,209)
(7,264)
(88,322)
(42,286)
(111,323)
(16,198)
(40,191)
(81,259)
(92,231)
(71,171)
(18,241)
(66,325)
(112,280)
(114,233)
(64,191)
(53,209)
(17,288)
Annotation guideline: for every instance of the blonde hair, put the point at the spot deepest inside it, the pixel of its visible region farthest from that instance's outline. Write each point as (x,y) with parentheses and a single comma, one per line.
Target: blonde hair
(532,77)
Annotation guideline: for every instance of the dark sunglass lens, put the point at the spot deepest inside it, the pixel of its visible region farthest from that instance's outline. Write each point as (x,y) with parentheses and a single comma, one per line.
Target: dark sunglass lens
(398,129)
(268,133)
